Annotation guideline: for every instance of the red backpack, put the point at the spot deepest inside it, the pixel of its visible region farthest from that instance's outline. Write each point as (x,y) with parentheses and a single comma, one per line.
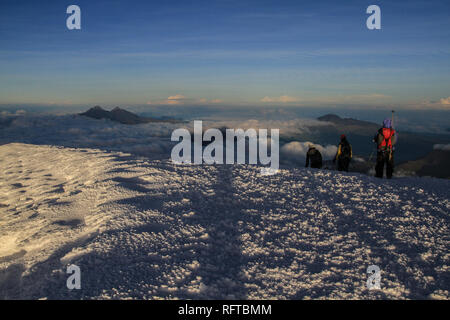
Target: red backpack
(387,134)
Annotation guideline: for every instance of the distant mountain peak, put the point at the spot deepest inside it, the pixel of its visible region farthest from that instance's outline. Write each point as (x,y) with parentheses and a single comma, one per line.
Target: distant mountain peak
(329,117)
(96,112)
(333,118)
(118,115)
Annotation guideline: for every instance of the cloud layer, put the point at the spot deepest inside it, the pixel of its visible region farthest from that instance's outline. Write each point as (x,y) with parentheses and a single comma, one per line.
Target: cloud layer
(150,140)
(296,151)
(444,147)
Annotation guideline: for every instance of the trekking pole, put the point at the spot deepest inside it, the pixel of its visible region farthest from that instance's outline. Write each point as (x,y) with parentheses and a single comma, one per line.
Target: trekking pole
(371,155)
(392,126)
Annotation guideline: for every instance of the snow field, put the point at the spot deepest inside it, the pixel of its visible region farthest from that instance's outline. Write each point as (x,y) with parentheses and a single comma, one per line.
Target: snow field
(150,229)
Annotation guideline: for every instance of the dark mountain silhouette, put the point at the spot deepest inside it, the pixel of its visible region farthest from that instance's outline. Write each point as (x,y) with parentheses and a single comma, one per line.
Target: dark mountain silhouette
(434,164)
(97,112)
(350,124)
(120,115)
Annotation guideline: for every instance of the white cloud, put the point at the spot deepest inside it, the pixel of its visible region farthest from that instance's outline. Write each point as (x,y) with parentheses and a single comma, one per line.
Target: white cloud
(444,147)
(6,114)
(152,139)
(286,127)
(443,104)
(171,100)
(176,97)
(445,101)
(179,99)
(296,151)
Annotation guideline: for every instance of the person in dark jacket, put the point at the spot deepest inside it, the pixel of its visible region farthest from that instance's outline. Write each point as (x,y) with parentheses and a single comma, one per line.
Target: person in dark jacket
(343,154)
(385,139)
(313,155)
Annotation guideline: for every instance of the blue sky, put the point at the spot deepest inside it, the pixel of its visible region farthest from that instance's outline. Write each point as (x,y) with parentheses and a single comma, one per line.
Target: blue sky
(226,53)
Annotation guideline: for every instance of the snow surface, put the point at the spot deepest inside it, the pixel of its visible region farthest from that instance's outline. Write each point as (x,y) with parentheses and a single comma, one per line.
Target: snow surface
(150,229)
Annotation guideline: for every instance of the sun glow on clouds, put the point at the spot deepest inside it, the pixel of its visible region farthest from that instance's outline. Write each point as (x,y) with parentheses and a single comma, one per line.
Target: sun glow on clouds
(445,101)
(180,99)
(176,97)
(171,100)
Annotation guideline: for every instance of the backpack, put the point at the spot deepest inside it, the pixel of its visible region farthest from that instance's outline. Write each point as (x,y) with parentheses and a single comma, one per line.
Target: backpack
(346,150)
(385,138)
(315,156)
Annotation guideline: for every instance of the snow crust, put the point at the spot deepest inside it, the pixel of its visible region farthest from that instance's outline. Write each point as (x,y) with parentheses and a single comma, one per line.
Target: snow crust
(150,229)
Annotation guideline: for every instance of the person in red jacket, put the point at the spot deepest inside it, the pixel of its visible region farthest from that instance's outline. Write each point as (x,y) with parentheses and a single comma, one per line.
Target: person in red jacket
(385,139)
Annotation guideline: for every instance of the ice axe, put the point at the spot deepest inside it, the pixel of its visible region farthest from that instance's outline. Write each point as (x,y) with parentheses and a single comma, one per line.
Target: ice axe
(392,119)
